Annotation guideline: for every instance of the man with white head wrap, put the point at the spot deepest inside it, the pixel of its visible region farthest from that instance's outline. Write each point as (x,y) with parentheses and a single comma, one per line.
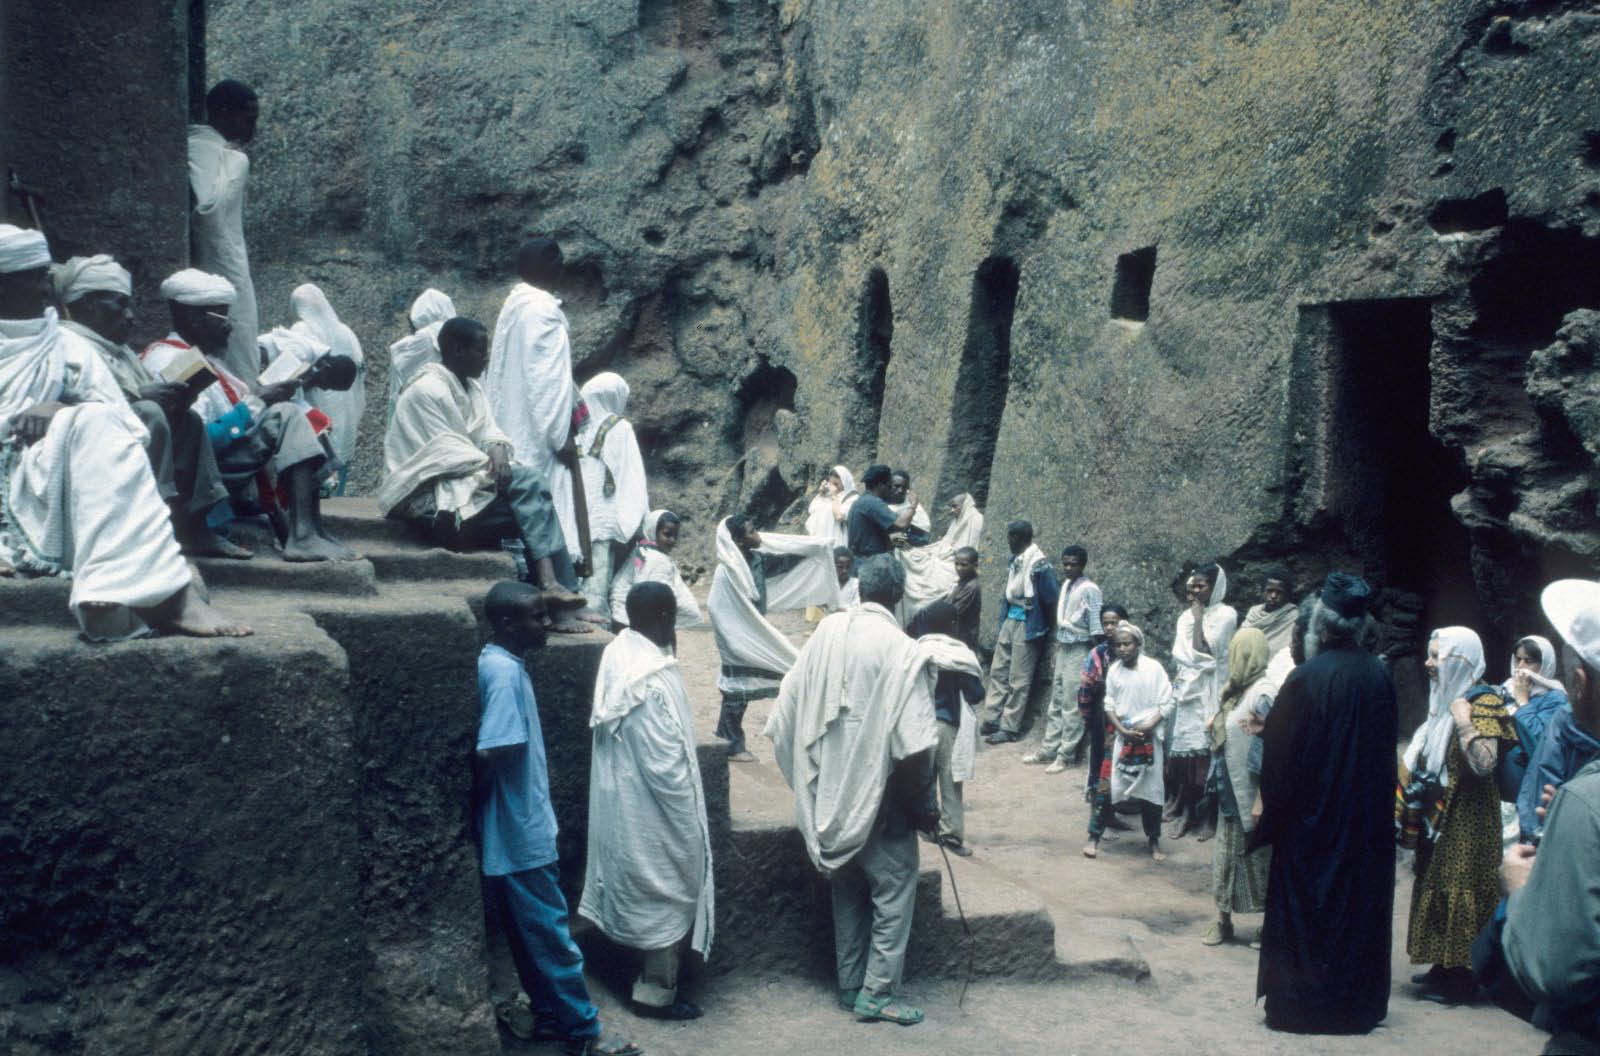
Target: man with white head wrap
(428,313)
(252,429)
(218,172)
(648,883)
(1200,670)
(613,484)
(1138,700)
(651,562)
(344,407)
(854,733)
(757,573)
(96,293)
(78,494)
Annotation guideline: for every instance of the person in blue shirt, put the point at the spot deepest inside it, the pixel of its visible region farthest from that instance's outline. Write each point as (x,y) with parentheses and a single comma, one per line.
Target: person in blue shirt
(1027,614)
(871,520)
(517,829)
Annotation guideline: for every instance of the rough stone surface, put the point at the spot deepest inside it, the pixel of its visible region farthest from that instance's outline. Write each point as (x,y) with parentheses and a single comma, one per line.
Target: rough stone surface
(758,197)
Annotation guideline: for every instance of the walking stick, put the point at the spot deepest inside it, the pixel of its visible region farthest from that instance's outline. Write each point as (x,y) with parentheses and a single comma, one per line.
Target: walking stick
(580,509)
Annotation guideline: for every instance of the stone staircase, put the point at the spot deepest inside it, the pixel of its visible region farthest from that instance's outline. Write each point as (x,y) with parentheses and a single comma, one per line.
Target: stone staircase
(273,830)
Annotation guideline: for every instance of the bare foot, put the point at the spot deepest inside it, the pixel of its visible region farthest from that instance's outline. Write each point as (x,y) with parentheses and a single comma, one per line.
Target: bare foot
(588,615)
(1157,854)
(1205,834)
(559,597)
(186,613)
(312,548)
(1091,850)
(568,625)
(741,757)
(345,553)
(206,543)
(1177,828)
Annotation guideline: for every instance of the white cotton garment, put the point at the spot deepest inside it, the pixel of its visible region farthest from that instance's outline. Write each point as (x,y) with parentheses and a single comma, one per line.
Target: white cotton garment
(618,516)
(83,499)
(931,570)
(743,635)
(319,322)
(648,878)
(820,520)
(1461,666)
(1135,696)
(218,172)
(949,654)
(440,436)
(1198,678)
(1019,574)
(648,564)
(858,700)
(429,312)
(529,380)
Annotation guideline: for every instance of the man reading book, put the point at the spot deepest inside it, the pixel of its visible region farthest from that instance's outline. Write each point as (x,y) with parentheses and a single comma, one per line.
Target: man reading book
(96,296)
(251,430)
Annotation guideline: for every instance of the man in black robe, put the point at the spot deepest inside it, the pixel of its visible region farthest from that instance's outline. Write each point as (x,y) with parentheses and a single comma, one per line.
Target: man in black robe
(1327,788)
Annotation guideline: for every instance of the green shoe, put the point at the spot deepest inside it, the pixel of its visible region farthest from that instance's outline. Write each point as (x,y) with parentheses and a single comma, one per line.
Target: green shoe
(884,1006)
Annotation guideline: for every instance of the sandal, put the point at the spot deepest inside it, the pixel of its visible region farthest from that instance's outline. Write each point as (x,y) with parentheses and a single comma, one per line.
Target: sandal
(591,1045)
(884,1006)
(1217,934)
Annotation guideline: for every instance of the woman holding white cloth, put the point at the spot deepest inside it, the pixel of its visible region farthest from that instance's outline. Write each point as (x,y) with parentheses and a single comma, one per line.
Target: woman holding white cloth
(1138,701)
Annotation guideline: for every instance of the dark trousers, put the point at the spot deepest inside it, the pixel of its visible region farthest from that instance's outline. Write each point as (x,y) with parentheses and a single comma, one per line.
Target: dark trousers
(181,457)
(549,963)
(1150,818)
(730,722)
(524,511)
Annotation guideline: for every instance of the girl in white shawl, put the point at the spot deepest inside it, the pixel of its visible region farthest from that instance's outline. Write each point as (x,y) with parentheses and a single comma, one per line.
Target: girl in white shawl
(1200,659)
(614,485)
(319,322)
(830,508)
(1138,701)
(651,562)
(429,312)
(758,572)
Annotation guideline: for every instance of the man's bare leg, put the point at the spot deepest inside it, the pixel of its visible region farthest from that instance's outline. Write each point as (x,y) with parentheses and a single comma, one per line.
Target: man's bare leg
(555,595)
(307,541)
(188,614)
(197,539)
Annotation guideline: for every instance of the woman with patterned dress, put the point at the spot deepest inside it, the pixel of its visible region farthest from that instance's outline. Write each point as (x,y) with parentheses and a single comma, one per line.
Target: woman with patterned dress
(1451,759)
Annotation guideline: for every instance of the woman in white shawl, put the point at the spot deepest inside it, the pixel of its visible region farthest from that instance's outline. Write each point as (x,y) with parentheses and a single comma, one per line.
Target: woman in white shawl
(651,562)
(758,572)
(1138,700)
(614,485)
(830,508)
(1449,774)
(931,570)
(1200,661)
(429,312)
(320,323)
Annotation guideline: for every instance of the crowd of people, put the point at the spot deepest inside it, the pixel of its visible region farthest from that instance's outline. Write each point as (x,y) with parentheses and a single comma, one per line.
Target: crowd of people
(1275,738)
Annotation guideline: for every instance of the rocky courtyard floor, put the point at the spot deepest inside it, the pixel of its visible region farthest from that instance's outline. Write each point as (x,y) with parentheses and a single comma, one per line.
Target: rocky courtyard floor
(1113,916)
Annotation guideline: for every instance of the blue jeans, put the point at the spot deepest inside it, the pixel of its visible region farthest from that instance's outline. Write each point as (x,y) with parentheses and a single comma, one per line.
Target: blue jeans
(549,963)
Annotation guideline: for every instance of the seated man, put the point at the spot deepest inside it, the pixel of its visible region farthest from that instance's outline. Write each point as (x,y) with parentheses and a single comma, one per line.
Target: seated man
(79,496)
(97,295)
(447,467)
(250,430)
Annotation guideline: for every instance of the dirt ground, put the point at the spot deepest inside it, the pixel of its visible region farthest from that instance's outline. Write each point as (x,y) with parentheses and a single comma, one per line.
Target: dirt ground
(1029,828)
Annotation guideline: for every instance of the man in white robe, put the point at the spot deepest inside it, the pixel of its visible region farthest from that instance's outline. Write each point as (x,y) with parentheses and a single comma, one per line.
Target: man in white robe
(1138,701)
(614,485)
(651,562)
(344,407)
(931,570)
(649,882)
(1200,671)
(757,573)
(854,733)
(429,312)
(96,293)
(530,384)
(76,491)
(218,172)
(919,531)
(448,468)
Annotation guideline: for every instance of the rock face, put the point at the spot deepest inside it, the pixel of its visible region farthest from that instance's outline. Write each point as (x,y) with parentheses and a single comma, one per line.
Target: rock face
(1174,280)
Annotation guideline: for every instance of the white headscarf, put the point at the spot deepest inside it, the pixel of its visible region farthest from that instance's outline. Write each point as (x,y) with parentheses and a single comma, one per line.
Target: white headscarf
(193,286)
(965,529)
(81,275)
(1546,675)
(320,322)
(1460,666)
(652,521)
(847,483)
(431,307)
(429,312)
(22,249)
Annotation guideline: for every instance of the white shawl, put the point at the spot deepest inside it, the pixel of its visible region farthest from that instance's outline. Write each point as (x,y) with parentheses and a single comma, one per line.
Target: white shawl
(949,654)
(1461,666)
(1256,701)
(744,637)
(616,517)
(218,172)
(429,312)
(646,564)
(931,570)
(1544,678)
(1198,677)
(319,322)
(529,380)
(858,700)
(820,520)
(1019,574)
(441,434)
(648,880)
(1135,696)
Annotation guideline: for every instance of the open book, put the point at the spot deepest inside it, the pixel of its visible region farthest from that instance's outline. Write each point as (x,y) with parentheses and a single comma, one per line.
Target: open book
(188,366)
(285,368)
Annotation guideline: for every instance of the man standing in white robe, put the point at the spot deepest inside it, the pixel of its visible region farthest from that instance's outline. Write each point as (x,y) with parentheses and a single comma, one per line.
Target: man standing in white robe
(1138,701)
(79,495)
(530,384)
(218,172)
(613,483)
(649,882)
(854,733)
(1200,671)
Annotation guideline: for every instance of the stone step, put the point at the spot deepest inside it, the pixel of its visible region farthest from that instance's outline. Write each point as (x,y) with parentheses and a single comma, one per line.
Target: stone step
(28,601)
(350,518)
(393,552)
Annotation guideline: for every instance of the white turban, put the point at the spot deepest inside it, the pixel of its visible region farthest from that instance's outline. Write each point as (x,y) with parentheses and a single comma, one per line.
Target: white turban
(193,286)
(82,275)
(22,249)
(431,306)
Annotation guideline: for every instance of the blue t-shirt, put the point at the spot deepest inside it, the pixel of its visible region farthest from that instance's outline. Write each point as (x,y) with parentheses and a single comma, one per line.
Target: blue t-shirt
(867,526)
(518,826)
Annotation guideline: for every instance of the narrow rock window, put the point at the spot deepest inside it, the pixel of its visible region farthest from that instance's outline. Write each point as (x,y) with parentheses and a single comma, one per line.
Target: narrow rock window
(982,383)
(1130,293)
(869,369)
